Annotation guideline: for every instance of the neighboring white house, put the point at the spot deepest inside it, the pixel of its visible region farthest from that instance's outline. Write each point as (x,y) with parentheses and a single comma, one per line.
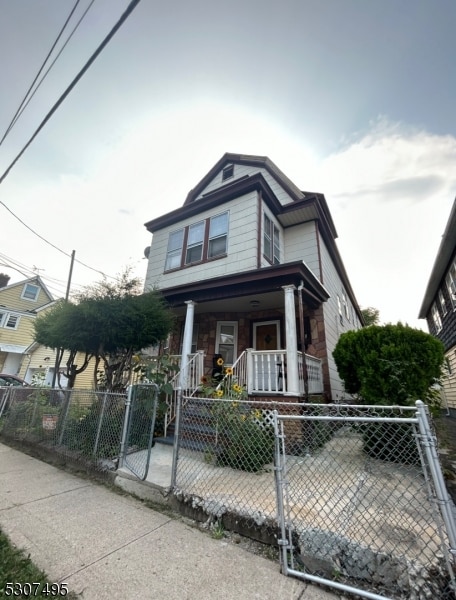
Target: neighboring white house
(250,266)
(439,306)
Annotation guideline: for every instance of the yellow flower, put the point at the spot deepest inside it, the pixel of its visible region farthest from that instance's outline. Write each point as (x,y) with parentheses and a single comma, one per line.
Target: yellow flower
(219,362)
(219,393)
(257,414)
(235,404)
(237,388)
(243,417)
(228,370)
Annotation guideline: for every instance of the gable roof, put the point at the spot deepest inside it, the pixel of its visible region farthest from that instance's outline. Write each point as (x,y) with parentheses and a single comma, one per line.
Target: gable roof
(32,280)
(444,256)
(304,205)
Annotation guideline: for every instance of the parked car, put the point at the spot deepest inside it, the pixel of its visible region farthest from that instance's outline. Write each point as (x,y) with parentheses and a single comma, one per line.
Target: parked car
(7,380)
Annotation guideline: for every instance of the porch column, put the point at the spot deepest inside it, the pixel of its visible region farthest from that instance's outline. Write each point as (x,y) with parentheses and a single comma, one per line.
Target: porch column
(292,341)
(187,343)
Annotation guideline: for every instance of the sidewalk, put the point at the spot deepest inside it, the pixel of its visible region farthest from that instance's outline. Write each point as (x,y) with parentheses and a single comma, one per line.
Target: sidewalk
(107,546)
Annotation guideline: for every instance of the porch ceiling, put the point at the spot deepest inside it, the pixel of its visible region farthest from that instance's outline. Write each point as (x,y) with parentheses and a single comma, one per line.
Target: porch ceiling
(241,304)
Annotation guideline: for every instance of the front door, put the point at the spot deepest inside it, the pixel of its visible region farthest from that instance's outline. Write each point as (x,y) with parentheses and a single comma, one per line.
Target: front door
(267,364)
(266,335)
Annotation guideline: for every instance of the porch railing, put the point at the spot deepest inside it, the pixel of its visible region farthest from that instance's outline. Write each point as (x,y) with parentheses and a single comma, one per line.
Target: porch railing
(265,371)
(189,382)
(314,374)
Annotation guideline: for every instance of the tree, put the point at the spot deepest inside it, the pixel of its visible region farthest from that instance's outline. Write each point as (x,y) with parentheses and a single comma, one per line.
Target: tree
(389,364)
(371,316)
(109,322)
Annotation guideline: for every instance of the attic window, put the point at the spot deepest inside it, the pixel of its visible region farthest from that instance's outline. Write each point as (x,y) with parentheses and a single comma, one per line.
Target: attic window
(227,172)
(30,292)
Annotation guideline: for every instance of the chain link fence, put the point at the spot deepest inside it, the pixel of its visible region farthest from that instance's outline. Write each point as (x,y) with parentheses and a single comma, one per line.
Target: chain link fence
(79,425)
(349,492)
(224,462)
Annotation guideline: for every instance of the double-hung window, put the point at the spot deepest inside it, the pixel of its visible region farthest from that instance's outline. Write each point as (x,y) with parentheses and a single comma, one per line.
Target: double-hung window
(442,303)
(271,241)
(30,292)
(218,235)
(198,242)
(8,320)
(195,242)
(174,255)
(436,317)
(451,284)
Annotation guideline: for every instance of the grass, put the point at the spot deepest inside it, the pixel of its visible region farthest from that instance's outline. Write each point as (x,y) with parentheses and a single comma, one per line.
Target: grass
(17,568)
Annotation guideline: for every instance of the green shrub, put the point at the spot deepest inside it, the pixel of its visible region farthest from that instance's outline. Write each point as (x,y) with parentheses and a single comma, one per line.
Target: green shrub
(389,364)
(245,441)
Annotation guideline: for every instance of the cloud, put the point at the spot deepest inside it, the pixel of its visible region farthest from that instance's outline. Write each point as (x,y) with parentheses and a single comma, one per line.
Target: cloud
(389,190)
(390,193)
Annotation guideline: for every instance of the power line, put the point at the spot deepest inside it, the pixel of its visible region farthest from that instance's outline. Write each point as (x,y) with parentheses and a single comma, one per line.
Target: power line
(23,105)
(133,4)
(16,116)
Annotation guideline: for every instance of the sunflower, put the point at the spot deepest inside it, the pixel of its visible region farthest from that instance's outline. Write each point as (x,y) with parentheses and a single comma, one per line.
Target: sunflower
(228,370)
(219,362)
(204,379)
(219,393)
(237,388)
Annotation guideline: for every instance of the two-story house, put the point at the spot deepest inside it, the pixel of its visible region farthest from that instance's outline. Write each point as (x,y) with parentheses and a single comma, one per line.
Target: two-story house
(439,306)
(250,266)
(20,304)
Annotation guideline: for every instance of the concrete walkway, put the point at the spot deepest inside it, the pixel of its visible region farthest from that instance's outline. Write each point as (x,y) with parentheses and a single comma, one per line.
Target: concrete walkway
(107,546)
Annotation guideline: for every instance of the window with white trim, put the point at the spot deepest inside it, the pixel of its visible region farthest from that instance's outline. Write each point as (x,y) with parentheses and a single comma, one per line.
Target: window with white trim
(174,253)
(442,303)
(195,242)
(345,303)
(226,341)
(30,292)
(451,283)
(198,242)
(9,320)
(436,317)
(271,241)
(339,308)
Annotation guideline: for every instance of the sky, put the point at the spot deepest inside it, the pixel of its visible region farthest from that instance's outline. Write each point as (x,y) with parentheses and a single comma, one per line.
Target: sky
(350,98)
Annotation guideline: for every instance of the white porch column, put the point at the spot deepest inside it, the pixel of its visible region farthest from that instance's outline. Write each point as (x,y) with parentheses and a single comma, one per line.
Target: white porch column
(292,341)
(187,343)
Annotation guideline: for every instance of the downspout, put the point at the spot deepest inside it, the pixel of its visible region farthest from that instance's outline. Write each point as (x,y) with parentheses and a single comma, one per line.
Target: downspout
(303,343)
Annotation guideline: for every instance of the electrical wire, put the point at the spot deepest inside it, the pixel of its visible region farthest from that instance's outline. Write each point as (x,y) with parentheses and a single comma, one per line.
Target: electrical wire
(133,4)
(16,116)
(24,105)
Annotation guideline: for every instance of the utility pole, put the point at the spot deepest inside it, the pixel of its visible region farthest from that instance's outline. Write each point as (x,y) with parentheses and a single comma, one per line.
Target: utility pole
(59,353)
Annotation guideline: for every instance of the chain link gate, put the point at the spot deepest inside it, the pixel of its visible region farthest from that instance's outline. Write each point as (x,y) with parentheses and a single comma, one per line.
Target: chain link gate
(362,504)
(138,430)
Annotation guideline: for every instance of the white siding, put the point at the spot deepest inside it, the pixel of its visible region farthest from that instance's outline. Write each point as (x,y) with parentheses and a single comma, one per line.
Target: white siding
(449,381)
(242,171)
(334,325)
(242,246)
(301,244)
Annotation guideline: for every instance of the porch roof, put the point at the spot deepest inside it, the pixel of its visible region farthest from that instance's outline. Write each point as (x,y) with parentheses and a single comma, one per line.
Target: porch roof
(251,283)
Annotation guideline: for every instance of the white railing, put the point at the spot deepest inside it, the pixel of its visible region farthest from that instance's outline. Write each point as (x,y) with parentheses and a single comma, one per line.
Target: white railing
(267,372)
(189,383)
(237,376)
(256,371)
(314,374)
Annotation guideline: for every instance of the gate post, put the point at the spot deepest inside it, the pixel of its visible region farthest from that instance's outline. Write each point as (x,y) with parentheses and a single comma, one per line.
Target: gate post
(123,442)
(443,498)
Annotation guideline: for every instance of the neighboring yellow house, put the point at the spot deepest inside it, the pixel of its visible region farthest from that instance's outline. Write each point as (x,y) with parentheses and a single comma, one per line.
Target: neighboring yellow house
(20,304)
